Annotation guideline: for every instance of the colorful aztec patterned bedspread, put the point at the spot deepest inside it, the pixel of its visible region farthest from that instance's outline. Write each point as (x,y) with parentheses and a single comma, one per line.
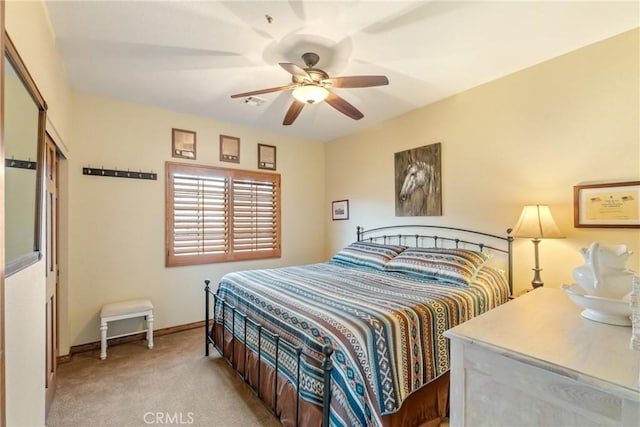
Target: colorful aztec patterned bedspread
(385,328)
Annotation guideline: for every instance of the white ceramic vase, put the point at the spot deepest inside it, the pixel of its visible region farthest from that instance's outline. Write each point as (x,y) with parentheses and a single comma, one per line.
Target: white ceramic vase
(604,272)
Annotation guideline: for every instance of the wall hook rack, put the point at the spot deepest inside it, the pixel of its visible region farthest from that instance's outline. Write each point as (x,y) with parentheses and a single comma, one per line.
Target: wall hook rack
(119,174)
(21,164)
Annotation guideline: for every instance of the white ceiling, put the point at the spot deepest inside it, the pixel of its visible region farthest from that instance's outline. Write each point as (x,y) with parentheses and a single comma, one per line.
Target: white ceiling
(190,56)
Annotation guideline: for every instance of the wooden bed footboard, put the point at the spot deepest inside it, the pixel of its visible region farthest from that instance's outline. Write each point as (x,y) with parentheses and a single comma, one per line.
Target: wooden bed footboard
(216,333)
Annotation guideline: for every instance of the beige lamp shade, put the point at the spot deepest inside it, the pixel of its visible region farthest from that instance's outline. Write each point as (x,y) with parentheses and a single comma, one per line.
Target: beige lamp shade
(310,94)
(536,222)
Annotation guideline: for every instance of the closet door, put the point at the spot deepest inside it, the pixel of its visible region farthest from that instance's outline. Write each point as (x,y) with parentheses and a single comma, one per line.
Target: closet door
(51,242)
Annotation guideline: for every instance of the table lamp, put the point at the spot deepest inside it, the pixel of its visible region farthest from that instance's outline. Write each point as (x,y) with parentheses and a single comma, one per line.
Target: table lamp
(536,223)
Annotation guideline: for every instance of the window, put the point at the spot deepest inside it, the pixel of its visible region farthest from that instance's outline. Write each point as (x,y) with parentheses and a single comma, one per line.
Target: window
(218,214)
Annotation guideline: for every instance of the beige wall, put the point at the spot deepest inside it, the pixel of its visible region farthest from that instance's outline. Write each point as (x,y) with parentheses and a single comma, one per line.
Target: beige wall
(25,347)
(28,25)
(116,238)
(524,139)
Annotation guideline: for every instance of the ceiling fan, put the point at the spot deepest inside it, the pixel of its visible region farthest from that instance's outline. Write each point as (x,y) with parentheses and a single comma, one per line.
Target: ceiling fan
(311,86)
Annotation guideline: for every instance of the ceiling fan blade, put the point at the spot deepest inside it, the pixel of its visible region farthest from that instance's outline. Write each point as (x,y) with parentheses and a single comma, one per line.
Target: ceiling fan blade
(343,106)
(357,81)
(261,91)
(295,70)
(293,112)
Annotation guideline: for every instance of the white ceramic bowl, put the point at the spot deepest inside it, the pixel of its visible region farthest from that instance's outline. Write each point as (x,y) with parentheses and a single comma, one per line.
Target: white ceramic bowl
(614,284)
(600,309)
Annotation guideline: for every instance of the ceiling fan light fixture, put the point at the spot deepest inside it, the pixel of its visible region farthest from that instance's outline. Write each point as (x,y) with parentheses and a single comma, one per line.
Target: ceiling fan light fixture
(309,86)
(310,94)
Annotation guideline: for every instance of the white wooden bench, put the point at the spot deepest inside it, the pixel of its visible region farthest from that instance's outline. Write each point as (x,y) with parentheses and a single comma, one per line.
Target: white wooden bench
(125,310)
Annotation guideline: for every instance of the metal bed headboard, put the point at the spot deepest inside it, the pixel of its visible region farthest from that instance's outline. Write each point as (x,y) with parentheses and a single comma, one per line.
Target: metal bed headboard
(393,234)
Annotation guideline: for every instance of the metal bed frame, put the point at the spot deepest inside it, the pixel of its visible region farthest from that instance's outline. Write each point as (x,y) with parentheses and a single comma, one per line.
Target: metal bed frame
(326,364)
(419,240)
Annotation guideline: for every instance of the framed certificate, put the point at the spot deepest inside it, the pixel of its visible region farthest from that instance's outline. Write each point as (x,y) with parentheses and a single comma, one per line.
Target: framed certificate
(610,205)
(266,157)
(183,144)
(229,149)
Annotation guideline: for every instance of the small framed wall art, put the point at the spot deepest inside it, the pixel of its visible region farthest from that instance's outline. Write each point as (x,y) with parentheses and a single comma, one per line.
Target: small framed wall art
(229,149)
(340,210)
(266,157)
(609,205)
(183,144)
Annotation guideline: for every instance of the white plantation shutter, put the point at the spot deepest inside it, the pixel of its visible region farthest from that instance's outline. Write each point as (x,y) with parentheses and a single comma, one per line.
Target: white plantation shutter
(216,215)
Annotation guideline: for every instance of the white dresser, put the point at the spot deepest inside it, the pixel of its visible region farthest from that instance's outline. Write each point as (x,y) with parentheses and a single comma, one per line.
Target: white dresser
(535,361)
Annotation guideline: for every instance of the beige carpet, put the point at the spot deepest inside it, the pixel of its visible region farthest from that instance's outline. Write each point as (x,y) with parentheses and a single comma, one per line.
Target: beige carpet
(172,384)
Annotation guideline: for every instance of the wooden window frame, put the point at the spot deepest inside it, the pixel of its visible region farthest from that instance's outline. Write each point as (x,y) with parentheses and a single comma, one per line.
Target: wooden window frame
(230,212)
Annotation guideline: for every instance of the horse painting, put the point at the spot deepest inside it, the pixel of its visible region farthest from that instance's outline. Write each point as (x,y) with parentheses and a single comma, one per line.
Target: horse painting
(418,189)
(418,177)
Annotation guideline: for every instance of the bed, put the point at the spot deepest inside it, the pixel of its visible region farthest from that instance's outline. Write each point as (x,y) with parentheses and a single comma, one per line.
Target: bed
(357,340)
